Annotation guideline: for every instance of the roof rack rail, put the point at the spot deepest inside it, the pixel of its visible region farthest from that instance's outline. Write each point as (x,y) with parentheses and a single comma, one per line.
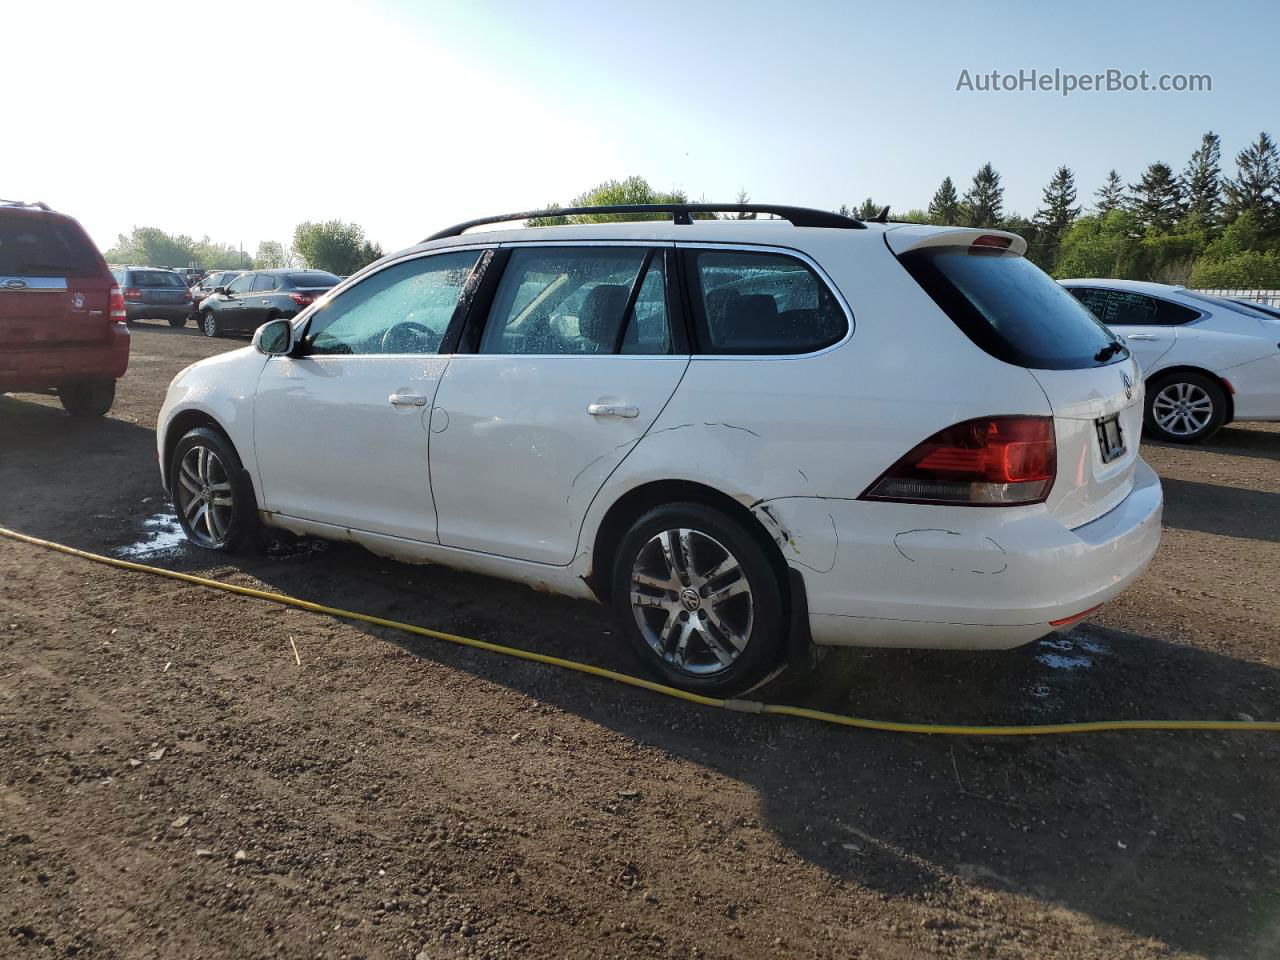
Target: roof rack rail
(22,203)
(681,213)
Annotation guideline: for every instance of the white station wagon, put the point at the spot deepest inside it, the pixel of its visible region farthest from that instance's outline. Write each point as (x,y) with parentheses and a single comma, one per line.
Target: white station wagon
(745,436)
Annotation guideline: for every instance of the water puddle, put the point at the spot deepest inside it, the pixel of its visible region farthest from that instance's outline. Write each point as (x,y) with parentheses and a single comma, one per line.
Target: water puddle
(1069,652)
(162,536)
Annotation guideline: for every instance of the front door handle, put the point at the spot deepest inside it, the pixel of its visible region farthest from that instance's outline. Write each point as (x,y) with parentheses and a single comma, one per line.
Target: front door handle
(407,400)
(613,410)
(1143,336)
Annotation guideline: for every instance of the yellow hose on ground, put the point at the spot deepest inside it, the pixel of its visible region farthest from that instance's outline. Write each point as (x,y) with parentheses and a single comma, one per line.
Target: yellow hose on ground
(743,706)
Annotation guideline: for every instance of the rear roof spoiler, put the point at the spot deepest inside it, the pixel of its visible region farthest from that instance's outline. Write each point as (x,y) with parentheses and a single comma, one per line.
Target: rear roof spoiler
(911,236)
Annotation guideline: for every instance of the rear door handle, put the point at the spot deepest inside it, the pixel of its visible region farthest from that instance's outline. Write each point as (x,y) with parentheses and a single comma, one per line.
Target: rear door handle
(1143,336)
(613,410)
(407,400)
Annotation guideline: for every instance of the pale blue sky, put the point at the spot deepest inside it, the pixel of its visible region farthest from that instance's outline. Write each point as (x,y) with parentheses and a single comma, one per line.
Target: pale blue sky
(405,116)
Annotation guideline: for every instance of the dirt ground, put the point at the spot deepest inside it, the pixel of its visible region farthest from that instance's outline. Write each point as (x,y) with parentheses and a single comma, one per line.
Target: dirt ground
(174,784)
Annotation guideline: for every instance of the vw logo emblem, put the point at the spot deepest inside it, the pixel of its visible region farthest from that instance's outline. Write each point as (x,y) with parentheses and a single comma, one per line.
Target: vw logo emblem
(1128,386)
(689,599)
(13,283)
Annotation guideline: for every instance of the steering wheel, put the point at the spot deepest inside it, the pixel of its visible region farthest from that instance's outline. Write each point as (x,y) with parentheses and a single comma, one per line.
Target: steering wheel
(393,339)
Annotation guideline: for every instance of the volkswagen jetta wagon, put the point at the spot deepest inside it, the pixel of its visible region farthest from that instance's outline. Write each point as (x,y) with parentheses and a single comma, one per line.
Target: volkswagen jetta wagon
(744,436)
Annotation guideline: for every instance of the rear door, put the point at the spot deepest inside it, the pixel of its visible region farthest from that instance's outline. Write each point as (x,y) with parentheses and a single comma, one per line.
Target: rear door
(1014,311)
(1148,325)
(577,357)
(54,285)
(254,307)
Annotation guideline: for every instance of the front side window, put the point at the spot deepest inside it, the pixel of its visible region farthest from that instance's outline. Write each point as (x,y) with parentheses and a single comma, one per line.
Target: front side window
(241,283)
(580,300)
(764,303)
(404,308)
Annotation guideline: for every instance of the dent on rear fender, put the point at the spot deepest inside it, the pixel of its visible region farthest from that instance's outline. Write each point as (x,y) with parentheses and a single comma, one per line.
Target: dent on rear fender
(804,529)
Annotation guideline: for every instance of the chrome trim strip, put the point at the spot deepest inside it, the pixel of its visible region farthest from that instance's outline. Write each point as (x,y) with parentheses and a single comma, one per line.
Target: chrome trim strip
(12,284)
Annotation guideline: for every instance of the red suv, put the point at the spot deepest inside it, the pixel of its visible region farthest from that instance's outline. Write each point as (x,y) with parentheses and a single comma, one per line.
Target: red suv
(62,318)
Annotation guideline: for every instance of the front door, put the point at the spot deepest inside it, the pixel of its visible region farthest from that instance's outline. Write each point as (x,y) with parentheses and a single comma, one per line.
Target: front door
(341,430)
(576,360)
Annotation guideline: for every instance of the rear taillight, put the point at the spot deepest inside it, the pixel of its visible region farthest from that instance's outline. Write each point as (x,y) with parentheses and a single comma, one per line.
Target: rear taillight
(988,462)
(117,304)
(992,240)
(301,299)
(186,294)
(133,293)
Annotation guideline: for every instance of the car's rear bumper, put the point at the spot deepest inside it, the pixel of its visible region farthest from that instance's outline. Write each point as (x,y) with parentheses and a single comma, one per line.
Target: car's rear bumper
(965,577)
(55,366)
(148,311)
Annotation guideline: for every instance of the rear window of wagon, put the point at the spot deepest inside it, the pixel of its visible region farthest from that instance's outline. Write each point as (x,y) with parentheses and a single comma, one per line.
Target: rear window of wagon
(1012,309)
(45,245)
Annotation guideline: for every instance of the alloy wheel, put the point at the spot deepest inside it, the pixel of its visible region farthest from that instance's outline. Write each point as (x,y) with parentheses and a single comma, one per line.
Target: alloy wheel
(1182,409)
(691,601)
(203,492)
(210,325)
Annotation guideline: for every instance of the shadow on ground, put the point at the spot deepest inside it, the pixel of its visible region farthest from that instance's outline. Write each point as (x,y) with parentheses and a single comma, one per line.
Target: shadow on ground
(1166,835)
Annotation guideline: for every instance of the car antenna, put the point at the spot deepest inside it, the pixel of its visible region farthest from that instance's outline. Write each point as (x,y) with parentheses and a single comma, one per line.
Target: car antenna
(882,216)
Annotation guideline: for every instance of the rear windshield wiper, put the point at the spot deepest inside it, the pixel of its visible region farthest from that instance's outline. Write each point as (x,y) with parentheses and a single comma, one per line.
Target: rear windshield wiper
(1109,351)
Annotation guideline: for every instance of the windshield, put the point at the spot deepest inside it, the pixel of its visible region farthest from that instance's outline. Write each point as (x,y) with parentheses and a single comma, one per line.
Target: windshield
(1012,309)
(314,278)
(37,245)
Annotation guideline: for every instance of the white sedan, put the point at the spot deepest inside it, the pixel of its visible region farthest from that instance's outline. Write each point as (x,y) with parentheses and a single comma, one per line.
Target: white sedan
(1206,360)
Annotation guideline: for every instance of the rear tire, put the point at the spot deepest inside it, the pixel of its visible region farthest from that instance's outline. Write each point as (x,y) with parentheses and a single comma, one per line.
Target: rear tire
(700,600)
(90,398)
(1185,407)
(177,322)
(209,324)
(212,495)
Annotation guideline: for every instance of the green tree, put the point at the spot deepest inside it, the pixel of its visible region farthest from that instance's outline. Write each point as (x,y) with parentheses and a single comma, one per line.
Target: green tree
(632,190)
(272,255)
(1102,246)
(1256,187)
(743,197)
(335,246)
(1202,179)
(944,208)
(1110,196)
(220,256)
(868,209)
(152,247)
(1059,209)
(1156,199)
(983,203)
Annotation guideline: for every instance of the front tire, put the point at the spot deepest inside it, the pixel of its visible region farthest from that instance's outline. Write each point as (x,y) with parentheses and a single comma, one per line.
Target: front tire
(209,324)
(1185,407)
(211,493)
(699,599)
(88,399)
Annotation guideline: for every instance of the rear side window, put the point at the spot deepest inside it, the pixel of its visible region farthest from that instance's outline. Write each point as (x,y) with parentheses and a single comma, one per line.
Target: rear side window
(766,303)
(264,282)
(1011,308)
(580,300)
(40,245)
(156,278)
(1127,308)
(241,283)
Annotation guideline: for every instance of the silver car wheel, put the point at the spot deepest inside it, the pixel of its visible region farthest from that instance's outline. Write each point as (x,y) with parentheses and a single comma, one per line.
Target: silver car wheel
(691,601)
(203,495)
(210,325)
(1182,409)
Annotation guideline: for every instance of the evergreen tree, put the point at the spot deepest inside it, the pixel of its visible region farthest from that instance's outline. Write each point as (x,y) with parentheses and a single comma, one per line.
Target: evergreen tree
(1110,195)
(1256,188)
(984,200)
(743,197)
(1202,179)
(868,209)
(1156,199)
(1059,210)
(944,208)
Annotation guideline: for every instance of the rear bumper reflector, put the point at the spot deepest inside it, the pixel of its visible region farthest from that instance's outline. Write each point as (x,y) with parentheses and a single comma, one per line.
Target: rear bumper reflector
(1074,617)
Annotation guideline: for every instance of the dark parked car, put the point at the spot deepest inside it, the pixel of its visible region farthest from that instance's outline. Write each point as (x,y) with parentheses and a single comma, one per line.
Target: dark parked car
(253,298)
(218,278)
(154,293)
(61,315)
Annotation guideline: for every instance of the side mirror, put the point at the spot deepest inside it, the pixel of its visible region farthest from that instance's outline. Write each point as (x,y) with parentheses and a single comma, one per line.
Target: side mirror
(220,291)
(275,338)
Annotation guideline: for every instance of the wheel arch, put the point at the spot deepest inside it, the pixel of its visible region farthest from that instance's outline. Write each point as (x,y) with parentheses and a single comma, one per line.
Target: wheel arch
(179,426)
(1181,368)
